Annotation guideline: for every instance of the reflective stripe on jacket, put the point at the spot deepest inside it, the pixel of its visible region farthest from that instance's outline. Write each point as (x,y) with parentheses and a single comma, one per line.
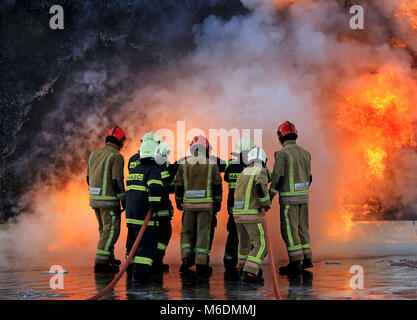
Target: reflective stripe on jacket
(144,189)
(293,163)
(196,177)
(247,200)
(105,165)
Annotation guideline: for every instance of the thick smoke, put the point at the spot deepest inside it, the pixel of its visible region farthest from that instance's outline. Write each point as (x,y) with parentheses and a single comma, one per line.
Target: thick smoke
(251,70)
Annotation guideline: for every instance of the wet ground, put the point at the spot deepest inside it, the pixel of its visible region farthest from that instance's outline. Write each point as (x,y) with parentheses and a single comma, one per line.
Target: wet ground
(393,277)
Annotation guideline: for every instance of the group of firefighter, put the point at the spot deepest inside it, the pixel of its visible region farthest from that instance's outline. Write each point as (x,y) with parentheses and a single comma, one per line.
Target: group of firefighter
(197,184)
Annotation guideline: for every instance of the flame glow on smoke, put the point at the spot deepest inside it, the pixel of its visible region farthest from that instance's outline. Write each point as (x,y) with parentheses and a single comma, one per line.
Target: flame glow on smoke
(408,11)
(375,120)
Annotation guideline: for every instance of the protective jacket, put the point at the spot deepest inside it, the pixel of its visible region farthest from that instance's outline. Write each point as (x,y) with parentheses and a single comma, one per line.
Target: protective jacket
(198,184)
(144,190)
(105,177)
(292,174)
(173,168)
(166,209)
(232,172)
(251,193)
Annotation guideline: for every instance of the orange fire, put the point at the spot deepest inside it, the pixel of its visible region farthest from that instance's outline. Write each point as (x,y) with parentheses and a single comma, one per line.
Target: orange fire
(397,43)
(374,119)
(408,11)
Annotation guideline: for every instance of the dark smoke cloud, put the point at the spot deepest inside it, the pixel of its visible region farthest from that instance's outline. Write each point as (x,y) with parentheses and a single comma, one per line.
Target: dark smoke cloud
(52,80)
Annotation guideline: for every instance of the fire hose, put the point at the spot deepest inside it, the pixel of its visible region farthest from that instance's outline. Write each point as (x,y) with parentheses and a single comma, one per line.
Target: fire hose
(126,263)
(139,238)
(271,258)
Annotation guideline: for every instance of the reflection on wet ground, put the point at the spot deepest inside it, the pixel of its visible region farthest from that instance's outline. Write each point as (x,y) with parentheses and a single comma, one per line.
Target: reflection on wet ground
(384,278)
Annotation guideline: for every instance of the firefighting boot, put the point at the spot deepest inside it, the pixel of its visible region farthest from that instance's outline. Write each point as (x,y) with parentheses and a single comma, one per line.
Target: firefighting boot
(115,262)
(307,263)
(203,270)
(293,268)
(186,265)
(159,267)
(142,276)
(251,278)
(106,267)
(230,266)
(129,272)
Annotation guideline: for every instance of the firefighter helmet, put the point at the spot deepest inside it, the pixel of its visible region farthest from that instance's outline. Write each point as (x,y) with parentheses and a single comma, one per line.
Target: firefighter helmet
(287,128)
(200,141)
(116,135)
(150,136)
(163,149)
(257,154)
(245,144)
(148,149)
(161,153)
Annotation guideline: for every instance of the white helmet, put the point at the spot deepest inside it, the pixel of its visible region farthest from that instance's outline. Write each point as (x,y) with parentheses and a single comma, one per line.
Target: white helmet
(244,144)
(257,154)
(150,136)
(161,153)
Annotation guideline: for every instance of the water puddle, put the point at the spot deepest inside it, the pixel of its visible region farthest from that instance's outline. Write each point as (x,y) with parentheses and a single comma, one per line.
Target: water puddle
(384,278)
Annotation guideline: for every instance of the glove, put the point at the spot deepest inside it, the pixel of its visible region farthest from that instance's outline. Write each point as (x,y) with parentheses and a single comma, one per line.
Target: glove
(179,206)
(123,202)
(263,210)
(217,206)
(271,195)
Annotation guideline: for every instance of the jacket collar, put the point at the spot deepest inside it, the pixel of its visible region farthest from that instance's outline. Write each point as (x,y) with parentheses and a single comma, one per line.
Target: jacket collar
(289,142)
(112,145)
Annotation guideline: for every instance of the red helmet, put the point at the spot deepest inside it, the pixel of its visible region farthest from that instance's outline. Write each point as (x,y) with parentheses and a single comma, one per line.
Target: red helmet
(286,128)
(200,140)
(116,135)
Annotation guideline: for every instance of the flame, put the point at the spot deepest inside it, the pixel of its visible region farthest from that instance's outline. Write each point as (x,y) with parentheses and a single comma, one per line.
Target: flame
(397,43)
(71,202)
(374,120)
(408,11)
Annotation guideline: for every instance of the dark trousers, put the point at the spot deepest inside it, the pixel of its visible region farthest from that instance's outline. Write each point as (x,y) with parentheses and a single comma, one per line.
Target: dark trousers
(141,263)
(232,243)
(165,233)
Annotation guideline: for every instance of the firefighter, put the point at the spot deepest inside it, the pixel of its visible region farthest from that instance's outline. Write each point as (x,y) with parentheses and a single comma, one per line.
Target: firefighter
(233,169)
(144,191)
(198,192)
(107,192)
(292,177)
(173,168)
(166,210)
(251,201)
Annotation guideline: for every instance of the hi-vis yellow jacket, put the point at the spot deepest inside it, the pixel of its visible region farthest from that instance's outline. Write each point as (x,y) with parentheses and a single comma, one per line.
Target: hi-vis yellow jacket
(251,194)
(293,164)
(105,177)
